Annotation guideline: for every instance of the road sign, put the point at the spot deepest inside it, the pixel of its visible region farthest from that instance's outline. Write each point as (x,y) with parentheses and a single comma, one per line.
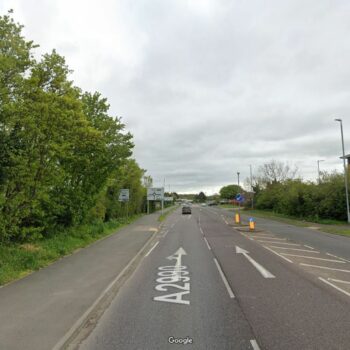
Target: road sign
(155,194)
(240,198)
(124,195)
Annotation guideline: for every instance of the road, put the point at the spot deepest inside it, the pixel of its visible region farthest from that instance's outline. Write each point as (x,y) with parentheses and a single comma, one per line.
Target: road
(207,284)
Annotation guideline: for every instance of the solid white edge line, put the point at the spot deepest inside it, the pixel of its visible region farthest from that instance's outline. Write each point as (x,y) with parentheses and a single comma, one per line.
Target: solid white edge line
(334,286)
(229,290)
(254,344)
(339,281)
(207,243)
(338,257)
(281,256)
(149,252)
(325,268)
(313,257)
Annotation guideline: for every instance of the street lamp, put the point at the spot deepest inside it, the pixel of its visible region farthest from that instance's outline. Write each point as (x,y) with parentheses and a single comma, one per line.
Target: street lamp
(318,170)
(345,171)
(238,177)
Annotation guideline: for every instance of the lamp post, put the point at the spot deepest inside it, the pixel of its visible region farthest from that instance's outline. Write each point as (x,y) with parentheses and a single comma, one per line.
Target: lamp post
(345,171)
(238,177)
(318,170)
(251,184)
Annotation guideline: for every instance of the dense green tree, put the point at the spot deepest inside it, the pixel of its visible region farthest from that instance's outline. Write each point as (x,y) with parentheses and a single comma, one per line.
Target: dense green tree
(230,191)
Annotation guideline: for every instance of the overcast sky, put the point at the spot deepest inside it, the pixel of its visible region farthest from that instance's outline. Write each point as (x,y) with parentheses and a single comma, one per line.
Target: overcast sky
(208,87)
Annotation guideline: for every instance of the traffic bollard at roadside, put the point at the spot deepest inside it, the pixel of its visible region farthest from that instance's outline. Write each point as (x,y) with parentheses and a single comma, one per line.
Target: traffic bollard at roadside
(251,224)
(237,218)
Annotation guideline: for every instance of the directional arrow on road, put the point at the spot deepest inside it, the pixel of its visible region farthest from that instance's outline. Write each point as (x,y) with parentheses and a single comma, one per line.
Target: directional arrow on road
(265,273)
(177,256)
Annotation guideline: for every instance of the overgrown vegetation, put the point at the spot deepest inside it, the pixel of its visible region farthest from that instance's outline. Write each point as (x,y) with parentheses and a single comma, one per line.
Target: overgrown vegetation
(63,158)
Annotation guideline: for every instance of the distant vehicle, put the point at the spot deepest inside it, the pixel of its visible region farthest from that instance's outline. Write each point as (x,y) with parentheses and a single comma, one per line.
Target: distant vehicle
(204,204)
(186,209)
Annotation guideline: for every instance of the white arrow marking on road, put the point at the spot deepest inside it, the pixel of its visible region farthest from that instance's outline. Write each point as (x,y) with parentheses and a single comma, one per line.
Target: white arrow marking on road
(265,273)
(178,256)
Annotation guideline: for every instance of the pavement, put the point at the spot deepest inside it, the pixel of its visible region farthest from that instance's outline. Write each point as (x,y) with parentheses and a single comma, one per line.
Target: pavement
(199,282)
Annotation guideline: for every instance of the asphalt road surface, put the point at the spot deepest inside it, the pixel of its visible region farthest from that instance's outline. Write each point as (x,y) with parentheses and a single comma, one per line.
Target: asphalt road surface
(206,284)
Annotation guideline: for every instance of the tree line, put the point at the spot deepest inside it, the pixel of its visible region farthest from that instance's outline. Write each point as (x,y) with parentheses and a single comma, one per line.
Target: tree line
(63,157)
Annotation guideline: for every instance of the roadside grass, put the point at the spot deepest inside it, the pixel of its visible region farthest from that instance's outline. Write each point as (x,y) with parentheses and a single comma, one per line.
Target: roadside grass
(18,260)
(163,216)
(325,225)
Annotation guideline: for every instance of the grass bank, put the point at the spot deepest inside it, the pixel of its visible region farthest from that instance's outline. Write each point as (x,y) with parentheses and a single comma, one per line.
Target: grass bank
(329,226)
(167,212)
(19,260)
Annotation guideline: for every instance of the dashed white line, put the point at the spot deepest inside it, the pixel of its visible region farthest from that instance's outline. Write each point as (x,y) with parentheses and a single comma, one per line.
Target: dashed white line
(334,286)
(338,257)
(313,257)
(149,252)
(281,256)
(207,243)
(325,268)
(229,290)
(300,250)
(254,344)
(339,281)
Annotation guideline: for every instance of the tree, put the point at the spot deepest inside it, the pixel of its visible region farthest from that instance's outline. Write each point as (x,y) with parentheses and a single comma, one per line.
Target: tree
(201,197)
(275,171)
(230,191)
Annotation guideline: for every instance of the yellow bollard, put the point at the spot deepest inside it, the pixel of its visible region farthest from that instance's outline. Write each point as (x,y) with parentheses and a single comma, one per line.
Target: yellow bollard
(237,218)
(251,224)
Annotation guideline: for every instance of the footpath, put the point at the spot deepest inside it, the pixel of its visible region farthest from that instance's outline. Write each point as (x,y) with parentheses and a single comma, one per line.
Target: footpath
(44,309)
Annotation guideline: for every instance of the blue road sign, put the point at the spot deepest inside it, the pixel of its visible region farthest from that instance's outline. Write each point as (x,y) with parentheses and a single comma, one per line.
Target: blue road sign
(239,198)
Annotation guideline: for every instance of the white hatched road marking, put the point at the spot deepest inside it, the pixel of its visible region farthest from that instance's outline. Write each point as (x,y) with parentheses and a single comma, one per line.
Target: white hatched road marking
(339,281)
(281,256)
(307,246)
(149,252)
(334,286)
(254,344)
(325,268)
(274,238)
(260,240)
(300,250)
(207,243)
(200,229)
(229,290)
(338,257)
(165,233)
(313,257)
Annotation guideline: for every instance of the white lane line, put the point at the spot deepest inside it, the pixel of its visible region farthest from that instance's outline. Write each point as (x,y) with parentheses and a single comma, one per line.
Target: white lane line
(313,257)
(334,286)
(254,344)
(166,232)
(207,243)
(229,290)
(276,239)
(149,252)
(325,268)
(299,250)
(339,281)
(307,246)
(294,244)
(281,256)
(200,229)
(338,257)
(264,272)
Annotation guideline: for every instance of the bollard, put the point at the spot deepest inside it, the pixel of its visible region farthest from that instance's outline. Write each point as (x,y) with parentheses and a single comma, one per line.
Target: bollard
(237,218)
(251,224)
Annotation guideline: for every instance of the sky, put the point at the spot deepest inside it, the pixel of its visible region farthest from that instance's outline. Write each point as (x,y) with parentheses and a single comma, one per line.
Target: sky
(209,87)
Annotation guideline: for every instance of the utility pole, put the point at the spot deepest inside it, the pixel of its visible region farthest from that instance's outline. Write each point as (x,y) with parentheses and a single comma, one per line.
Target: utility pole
(345,170)
(251,184)
(318,170)
(239,203)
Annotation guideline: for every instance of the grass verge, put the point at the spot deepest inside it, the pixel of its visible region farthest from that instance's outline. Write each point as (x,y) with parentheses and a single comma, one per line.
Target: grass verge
(329,226)
(163,216)
(19,260)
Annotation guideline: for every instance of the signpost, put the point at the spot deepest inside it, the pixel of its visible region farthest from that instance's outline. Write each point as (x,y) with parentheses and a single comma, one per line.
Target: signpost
(124,197)
(155,194)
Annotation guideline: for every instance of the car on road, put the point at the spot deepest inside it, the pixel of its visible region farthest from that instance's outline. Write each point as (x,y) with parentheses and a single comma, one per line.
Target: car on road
(186,209)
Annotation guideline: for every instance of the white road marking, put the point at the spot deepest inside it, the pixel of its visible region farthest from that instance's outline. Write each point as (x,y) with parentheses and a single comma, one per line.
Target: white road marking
(277,239)
(254,344)
(338,257)
(190,216)
(264,272)
(307,246)
(207,243)
(299,250)
(259,240)
(339,281)
(334,286)
(166,232)
(281,256)
(149,252)
(325,268)
(229,290)
(200,229)
(313,257)
(172,226)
